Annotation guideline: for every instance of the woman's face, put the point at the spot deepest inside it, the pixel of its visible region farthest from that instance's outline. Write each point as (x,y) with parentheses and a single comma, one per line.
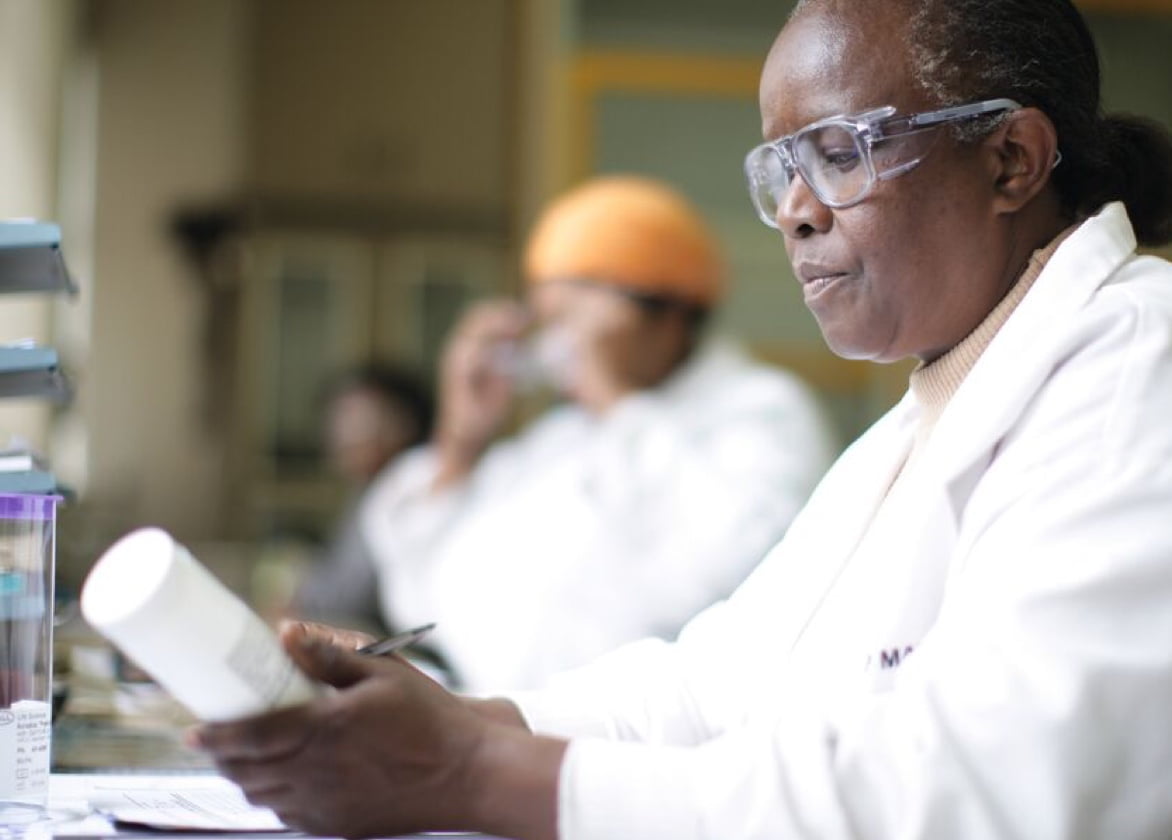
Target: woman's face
(363,431)
(920,262)
(616,346)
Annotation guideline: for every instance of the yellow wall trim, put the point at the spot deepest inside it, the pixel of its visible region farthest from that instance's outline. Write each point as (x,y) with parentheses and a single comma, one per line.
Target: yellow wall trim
(685,74)
(596,72)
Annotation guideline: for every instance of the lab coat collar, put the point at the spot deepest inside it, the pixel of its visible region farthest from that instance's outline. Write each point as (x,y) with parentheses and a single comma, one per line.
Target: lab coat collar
(1025,350)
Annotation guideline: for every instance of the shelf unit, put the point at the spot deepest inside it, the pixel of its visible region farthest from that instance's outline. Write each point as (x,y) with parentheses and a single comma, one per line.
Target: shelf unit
(31,261)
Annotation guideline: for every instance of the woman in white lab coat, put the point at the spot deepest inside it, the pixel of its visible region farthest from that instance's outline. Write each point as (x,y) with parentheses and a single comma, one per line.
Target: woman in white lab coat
(967,633)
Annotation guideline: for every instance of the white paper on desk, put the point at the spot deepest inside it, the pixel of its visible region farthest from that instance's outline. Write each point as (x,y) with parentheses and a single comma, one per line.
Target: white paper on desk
(213,805)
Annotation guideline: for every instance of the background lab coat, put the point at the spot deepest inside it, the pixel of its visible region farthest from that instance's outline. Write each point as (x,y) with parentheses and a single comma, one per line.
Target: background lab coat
(583,533)
(994,660)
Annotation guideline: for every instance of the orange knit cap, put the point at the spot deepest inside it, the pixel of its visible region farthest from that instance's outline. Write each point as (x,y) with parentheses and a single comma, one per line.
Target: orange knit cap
(627,231)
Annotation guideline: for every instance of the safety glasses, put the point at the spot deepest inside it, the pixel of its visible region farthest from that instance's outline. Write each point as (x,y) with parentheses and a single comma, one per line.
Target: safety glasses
(840,158)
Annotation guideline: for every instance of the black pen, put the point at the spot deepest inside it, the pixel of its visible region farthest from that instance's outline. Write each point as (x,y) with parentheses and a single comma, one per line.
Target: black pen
(389,645)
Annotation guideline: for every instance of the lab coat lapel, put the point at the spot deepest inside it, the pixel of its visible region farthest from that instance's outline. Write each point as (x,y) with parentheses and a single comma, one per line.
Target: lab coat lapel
(1022,354)
(797,576)
(888,591)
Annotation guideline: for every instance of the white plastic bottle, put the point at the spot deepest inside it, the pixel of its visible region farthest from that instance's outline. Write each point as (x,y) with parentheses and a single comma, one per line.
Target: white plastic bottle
(168,613)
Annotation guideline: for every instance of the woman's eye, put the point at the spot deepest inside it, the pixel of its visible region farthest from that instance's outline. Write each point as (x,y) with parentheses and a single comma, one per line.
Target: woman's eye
(840,158)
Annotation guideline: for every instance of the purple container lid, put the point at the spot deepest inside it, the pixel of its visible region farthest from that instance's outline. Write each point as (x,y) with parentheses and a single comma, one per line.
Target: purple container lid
(28,506)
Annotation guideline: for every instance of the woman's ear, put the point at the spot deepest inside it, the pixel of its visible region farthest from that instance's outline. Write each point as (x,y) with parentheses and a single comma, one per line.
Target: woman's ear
(1023,152)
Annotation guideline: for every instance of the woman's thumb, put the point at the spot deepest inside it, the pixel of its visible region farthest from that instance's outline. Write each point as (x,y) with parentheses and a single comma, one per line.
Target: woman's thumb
(322,661)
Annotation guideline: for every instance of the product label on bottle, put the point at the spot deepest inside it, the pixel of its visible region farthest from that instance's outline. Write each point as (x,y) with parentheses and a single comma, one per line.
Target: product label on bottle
(24,751)
(262,664)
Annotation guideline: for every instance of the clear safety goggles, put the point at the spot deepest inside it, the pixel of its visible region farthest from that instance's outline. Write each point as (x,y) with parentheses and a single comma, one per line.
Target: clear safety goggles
(840,158)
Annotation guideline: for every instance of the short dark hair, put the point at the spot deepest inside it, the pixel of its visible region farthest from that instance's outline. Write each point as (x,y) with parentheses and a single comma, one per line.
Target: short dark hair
(398,387)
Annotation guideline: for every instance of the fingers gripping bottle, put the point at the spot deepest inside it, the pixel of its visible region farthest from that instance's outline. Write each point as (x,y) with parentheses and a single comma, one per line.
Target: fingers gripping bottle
(154,601)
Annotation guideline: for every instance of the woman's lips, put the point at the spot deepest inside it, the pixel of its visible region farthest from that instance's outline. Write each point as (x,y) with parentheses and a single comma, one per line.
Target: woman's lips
(816,285)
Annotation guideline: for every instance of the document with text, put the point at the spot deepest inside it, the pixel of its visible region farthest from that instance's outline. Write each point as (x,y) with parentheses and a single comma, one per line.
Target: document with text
(165,803)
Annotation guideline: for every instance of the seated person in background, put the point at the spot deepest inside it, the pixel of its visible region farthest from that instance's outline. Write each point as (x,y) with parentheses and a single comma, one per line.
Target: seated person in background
(967,633)
(650,494)
(372,414)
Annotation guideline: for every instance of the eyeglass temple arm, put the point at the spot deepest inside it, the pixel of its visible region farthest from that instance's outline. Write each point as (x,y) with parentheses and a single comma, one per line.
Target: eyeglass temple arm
(961,112)
(911,123)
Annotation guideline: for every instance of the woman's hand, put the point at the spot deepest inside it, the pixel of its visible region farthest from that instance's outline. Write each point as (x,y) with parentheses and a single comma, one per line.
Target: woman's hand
(389,752)
(294,632)
(476,392)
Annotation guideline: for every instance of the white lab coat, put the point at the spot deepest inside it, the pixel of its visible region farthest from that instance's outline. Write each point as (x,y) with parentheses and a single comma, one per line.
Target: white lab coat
(583,534)
(992,660)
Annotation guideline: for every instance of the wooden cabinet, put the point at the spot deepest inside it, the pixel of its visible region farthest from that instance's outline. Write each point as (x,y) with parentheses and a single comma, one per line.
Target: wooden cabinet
(311,305)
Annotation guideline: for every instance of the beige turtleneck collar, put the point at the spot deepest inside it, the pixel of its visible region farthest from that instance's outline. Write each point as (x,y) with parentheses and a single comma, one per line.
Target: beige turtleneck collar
(933,384)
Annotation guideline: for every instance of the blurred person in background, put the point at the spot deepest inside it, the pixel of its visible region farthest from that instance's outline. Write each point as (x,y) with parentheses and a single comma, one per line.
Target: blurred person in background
(671,467)
(372,413)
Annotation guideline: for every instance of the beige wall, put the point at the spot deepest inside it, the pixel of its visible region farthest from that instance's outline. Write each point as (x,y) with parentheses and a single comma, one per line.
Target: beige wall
(382,100)
(34,41)
(171,116)
(543,152)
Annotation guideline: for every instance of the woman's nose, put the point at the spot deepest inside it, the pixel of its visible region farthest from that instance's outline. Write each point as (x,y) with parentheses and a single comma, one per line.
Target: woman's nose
(799,212)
